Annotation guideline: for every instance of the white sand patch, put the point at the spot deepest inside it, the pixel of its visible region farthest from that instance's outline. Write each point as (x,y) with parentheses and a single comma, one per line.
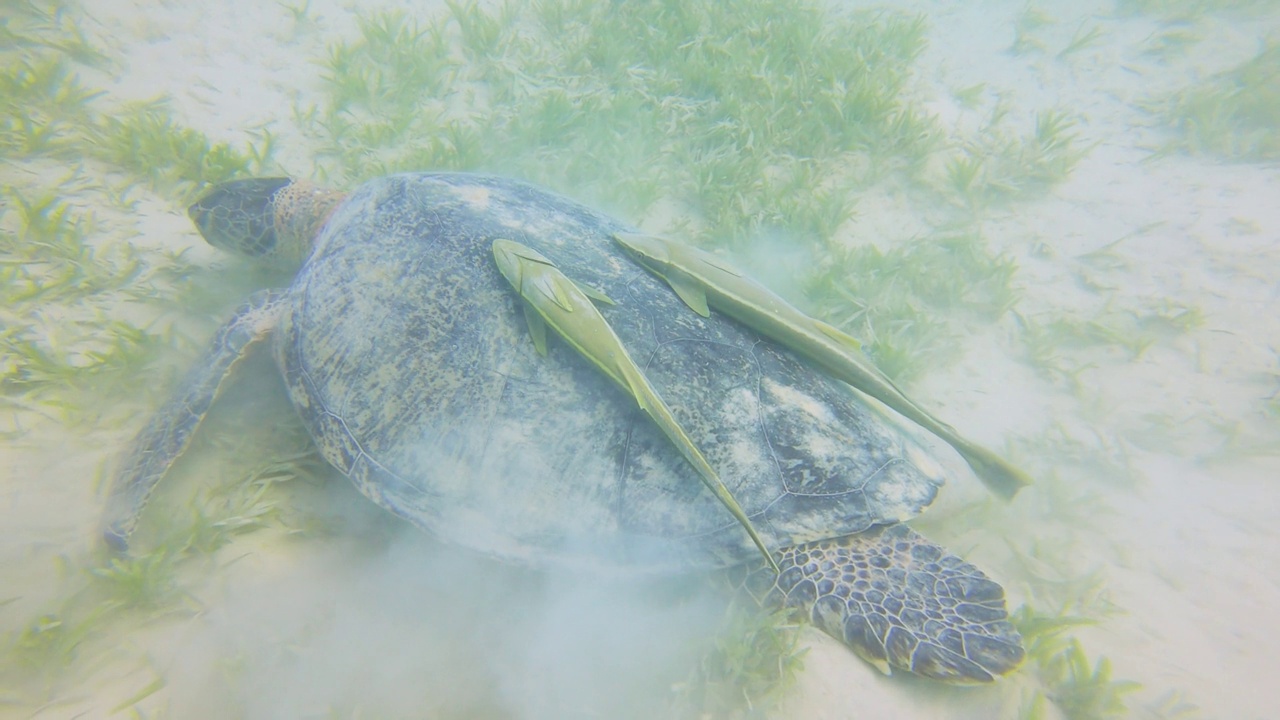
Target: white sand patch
(1191,554)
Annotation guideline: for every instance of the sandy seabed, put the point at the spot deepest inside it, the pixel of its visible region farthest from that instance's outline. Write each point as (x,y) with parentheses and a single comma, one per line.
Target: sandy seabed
(1188,553)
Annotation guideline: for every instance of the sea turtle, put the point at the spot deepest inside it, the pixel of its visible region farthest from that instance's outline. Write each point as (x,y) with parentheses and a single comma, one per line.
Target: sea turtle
(408,358)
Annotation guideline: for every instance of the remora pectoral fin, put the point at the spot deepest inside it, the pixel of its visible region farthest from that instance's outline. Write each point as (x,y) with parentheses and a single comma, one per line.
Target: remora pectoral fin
(595,294)
(537,329)
(690,290)
(838,336)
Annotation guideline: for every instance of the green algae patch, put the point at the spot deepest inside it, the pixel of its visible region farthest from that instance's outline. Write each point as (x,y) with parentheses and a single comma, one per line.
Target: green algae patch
(1234,115)
(742,112)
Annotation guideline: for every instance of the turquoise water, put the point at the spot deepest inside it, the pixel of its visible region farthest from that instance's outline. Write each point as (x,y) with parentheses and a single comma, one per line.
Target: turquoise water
(1054,224)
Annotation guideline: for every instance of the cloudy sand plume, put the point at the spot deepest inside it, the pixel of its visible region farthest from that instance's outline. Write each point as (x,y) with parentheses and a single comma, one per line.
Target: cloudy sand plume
(1053,224)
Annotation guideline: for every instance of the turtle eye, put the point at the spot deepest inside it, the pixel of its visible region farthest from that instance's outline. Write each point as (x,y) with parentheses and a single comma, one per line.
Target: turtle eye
(239,215)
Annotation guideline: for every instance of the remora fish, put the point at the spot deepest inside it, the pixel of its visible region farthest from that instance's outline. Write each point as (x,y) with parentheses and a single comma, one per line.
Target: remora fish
(551,298)
(702,279)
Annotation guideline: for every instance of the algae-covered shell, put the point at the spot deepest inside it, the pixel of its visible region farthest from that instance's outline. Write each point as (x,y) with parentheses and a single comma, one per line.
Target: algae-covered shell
(407,354)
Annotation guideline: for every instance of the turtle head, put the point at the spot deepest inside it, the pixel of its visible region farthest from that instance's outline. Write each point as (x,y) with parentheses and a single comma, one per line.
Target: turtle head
(274,220)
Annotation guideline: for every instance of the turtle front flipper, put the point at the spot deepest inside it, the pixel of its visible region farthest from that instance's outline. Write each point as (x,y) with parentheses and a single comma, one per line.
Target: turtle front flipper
(168,433)
(566,306)
(900,602)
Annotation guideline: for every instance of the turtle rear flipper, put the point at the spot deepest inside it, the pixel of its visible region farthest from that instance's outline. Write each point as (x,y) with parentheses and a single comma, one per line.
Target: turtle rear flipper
(900,602)
(169,432)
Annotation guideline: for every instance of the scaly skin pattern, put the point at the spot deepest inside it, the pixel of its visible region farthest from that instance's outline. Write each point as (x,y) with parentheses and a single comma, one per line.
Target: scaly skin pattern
(900,601)
(272,220)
